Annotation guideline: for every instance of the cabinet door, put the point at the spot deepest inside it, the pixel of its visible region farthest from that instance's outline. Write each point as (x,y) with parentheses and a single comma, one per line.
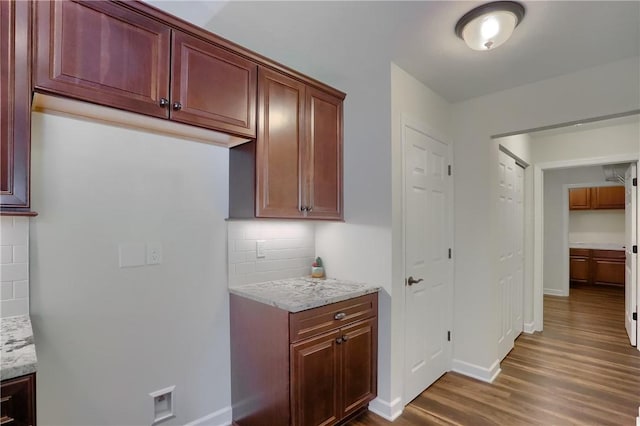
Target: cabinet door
(278,155)
(324,156)
(212,87)
(608,267)
(579,198)
(104,53)
(18,401)
(315,380)
(607,197)
(359,365)
(15,110)
(579,269)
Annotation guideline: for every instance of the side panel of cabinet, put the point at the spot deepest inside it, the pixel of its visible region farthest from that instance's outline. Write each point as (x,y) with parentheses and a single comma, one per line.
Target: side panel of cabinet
(359,365)
(579,198)
(315,380)
(607,197)
(278,156)
(15,99)
(101,52)
(216,89)
(18,405)
(324,142)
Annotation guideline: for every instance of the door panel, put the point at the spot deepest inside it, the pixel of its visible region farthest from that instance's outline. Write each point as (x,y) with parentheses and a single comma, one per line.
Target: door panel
(631,278)
(359,374)
(518,276)
(427,236)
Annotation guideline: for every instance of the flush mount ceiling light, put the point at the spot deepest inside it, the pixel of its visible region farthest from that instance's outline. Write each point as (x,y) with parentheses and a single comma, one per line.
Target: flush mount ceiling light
(488,26)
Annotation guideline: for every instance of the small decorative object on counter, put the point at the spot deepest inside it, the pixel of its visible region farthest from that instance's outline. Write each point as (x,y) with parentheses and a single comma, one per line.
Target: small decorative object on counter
(317,270)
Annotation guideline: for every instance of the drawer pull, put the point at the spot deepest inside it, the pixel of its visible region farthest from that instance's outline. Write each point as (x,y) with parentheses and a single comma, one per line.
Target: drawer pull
(5,399)
(339,316)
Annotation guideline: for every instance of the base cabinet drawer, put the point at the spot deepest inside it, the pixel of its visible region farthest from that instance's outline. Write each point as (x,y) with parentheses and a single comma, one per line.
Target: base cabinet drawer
(18,401)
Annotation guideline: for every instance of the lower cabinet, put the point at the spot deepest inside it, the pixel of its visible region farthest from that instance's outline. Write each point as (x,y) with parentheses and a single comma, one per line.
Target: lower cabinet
(315,367)
(18,401)
(599,267)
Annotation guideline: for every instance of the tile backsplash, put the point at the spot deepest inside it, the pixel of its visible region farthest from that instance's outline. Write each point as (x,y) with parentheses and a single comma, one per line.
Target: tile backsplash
(289,250)
(14,266)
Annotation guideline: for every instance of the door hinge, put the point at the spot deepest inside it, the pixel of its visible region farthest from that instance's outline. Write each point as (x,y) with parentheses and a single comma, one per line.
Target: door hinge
(448,336)
(634,182)
(449,253)
(634,249)
(635,316)
(449,169)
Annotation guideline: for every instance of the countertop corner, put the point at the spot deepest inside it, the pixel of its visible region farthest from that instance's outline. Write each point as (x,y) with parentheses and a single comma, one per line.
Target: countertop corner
(17,351)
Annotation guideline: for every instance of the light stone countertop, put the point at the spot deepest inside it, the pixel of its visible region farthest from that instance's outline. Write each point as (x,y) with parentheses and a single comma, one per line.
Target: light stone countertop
(299,294)
(18,352)
(597,246)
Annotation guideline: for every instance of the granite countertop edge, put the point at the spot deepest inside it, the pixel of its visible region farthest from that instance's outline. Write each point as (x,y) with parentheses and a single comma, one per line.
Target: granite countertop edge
(17,350)
(312,301)
(597,246)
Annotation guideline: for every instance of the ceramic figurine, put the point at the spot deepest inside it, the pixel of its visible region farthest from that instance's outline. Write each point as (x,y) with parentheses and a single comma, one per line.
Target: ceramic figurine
(317,270)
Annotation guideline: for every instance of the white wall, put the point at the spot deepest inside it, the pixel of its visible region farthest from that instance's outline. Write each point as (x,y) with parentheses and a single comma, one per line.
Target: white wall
(106,336)
(597,226)
(600,91)
(289,250)
(14,266)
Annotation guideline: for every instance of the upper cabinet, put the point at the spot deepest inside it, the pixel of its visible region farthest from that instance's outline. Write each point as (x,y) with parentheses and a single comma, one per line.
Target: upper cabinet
(298,153)
(15,107)
(111,55)
(597,198)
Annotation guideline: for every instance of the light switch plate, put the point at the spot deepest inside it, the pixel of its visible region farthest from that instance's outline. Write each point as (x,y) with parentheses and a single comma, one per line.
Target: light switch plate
(260,249)
(154,253)
(131,254)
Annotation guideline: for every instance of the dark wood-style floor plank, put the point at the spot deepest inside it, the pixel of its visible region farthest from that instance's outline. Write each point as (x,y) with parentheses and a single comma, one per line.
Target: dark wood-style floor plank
(580,371)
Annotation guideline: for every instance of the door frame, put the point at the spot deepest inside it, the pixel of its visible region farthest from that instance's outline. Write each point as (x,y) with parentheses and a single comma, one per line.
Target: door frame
(420,125)
(565,228)
(538,220)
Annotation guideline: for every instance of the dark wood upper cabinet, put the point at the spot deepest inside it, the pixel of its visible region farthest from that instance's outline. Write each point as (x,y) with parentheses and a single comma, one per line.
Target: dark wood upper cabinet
(579,199)
(597,198)
(298,153)
(212,87)
(104,53)
(607,197)
(111,54)
(279,150)
(324,141)
(15,105)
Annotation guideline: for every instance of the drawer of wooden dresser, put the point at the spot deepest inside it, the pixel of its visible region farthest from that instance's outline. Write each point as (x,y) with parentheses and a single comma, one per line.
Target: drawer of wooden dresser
(319,320)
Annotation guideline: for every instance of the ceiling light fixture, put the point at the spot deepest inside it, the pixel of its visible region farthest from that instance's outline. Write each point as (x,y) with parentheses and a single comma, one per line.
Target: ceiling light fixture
(488,26)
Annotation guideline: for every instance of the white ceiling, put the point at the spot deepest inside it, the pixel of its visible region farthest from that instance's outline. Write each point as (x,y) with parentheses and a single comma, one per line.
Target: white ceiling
(555,37)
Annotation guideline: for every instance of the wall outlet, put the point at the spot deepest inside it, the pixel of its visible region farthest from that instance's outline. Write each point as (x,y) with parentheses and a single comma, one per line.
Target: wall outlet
(154,253)
(260,249)
(163,404)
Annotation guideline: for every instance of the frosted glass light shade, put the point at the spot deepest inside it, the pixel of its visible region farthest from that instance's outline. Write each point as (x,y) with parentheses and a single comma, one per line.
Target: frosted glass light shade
(490,25)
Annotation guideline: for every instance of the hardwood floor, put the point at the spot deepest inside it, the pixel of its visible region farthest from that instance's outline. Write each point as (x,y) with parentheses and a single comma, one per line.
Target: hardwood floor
(580,370)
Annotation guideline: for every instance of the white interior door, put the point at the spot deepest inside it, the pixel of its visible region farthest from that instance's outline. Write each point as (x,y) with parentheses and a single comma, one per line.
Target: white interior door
(427,238)
(630,281)
(518,261)
(506,251)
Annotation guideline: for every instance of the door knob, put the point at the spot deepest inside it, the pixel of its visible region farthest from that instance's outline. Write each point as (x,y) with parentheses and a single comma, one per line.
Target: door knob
(164,102)
(412,281)
(177,106)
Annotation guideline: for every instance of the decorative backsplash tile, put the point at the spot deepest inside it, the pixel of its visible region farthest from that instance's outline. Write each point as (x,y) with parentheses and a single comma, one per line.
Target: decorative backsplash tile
(14,266)
(289,250)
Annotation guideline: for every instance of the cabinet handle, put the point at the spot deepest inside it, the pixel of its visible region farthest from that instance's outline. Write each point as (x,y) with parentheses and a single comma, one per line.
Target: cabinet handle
(177,106)
(339,316)
(5,420)
(309,209)
(339,340)
(345,338)
(303,208)
(164,102)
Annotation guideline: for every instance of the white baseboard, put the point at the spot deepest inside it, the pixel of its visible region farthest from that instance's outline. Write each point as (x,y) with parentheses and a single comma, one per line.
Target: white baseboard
(554,292)
(221,417)
(481,373)
(387,410)
(529,327)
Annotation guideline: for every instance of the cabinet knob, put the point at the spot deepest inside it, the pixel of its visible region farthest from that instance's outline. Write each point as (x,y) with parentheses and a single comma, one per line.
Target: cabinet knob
(177,106)
(164,102)
(345,338)
(339,316)
(309,209)
(302,208)
(339,340)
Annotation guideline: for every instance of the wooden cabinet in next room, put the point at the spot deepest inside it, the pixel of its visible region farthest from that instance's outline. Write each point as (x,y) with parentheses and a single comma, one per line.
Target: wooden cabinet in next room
(597,198)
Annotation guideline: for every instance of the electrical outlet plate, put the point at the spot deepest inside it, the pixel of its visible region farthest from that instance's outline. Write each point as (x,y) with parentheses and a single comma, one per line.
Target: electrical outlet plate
(154,253)
(260,249)
(163,404)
